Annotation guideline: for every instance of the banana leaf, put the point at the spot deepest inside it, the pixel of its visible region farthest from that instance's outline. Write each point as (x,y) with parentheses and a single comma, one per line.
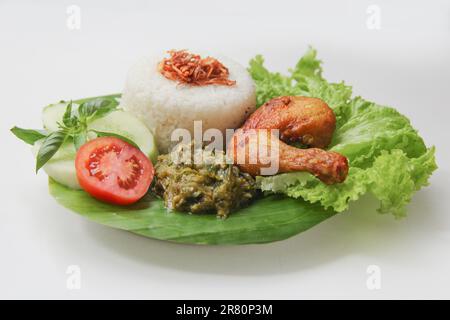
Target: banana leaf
(268,219)
(387,158)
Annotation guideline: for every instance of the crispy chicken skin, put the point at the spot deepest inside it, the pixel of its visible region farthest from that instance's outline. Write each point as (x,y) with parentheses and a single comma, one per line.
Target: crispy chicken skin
(299,119)
(330,167)
(307,120)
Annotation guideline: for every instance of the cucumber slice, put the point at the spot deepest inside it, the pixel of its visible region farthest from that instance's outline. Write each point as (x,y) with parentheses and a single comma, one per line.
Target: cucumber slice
(127,125)
(118,122)
(61,167)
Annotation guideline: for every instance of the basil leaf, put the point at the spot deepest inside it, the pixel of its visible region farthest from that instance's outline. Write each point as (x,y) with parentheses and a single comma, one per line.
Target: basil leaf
(115,96)
(68,114)
(70,120)
(79,139)
(29,136)
(115,135)
(86,109)
(49,147)
(106,108)
(97,108)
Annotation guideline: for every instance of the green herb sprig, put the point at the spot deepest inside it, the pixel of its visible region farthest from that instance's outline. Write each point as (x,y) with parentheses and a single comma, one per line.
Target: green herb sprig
(74,127)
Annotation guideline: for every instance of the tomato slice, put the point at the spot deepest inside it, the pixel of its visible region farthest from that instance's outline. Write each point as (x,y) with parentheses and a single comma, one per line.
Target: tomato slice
(113,171)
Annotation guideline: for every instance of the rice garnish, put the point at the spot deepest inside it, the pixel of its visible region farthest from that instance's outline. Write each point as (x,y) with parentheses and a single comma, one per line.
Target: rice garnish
(189,68)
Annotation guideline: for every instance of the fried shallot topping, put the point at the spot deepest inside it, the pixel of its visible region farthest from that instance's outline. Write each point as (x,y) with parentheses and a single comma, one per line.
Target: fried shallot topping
(189,68)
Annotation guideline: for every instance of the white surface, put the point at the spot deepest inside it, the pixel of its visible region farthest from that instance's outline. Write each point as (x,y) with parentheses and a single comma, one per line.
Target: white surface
(404,64)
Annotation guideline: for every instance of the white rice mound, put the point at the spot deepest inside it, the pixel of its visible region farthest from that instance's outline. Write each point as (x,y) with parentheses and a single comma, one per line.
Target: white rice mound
(164,105)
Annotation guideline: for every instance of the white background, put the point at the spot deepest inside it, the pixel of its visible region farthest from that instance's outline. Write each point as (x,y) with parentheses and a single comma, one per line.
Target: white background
(406,64)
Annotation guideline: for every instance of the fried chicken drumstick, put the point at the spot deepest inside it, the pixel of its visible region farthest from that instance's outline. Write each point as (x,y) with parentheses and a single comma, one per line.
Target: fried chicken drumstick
(307,120)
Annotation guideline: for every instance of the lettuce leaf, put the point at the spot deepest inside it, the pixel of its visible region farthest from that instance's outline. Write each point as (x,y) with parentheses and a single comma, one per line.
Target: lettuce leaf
(387,156)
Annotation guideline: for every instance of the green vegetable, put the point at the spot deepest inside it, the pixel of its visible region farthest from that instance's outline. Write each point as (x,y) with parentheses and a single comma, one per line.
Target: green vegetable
(97,108)
(392,179)
(387,156)
(30,136)
(69,119)
(49,147)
